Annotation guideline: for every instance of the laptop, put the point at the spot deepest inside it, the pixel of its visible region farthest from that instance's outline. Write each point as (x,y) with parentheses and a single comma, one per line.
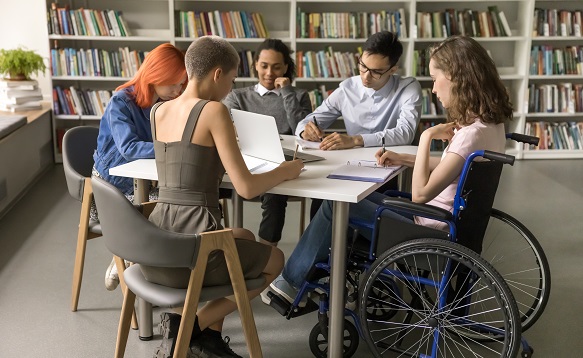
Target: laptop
(259,138)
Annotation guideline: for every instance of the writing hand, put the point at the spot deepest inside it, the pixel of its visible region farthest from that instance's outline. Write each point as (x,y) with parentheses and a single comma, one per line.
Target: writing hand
(387,158)
(281,82)
(312,132)
(293,168)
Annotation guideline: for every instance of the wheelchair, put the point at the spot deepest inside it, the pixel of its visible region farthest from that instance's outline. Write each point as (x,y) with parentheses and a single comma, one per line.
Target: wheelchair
(422,292)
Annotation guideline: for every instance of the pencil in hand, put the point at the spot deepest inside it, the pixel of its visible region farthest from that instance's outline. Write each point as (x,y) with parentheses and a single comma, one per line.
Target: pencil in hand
(296,151)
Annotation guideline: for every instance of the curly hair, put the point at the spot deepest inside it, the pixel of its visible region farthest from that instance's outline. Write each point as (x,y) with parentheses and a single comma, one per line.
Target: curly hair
(162,66)
(476,88)
(279,46)
(208,52)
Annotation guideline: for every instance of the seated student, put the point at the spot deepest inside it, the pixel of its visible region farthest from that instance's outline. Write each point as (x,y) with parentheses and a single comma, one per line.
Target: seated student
(273,96)
(124,130)
(379,107)
(194,143)
(468,85)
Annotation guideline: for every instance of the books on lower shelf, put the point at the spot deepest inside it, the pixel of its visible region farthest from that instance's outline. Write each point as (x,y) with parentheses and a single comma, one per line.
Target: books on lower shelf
(73,101)
(363,170)
(18,96)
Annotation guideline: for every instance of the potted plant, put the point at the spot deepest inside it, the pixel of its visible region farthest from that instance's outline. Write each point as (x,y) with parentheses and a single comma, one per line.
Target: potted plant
(20,63)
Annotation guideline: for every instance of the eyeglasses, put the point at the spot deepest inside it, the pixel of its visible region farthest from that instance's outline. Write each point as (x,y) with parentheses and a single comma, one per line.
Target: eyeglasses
(373,73)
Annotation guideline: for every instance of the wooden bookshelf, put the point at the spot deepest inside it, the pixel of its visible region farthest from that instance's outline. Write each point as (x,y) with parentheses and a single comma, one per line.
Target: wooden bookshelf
(153,22)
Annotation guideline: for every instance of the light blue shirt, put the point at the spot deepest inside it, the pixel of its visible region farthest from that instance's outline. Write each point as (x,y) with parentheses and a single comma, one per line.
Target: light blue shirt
(392,112)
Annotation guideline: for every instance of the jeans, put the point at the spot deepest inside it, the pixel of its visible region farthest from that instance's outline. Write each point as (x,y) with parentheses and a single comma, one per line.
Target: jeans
(314,245)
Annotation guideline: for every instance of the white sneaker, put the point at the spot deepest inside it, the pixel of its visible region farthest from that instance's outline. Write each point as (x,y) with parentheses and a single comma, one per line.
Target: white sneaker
(264,296)
(111,276)
(287,291)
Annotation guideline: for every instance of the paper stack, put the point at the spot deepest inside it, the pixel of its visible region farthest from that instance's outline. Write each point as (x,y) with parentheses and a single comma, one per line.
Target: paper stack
(18,96)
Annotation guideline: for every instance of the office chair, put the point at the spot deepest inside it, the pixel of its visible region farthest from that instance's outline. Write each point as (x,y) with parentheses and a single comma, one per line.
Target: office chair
(129,235)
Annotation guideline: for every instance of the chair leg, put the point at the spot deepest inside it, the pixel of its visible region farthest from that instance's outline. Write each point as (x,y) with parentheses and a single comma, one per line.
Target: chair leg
(82,237)
(120,264)
(124,323)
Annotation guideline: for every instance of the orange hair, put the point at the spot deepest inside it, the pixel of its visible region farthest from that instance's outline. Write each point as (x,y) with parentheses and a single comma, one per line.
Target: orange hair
(162,66)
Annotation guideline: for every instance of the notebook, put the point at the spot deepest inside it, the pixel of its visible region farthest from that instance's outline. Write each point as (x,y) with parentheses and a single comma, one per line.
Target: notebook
(363,170)
(259,138)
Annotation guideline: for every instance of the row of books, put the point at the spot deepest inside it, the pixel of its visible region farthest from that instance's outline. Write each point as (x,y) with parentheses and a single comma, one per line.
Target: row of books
(73,101)
(350,25)
(549,60)
(318,95)
(439,24)
(326,64)
(86,22)
(555,98)
(16,96)
(246,64)
(564,135)
(430,104)
(227,24)
(96,62)
(553,22)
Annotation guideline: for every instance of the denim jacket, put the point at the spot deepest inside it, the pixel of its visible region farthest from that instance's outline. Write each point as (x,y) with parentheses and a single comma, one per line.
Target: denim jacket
(124,135)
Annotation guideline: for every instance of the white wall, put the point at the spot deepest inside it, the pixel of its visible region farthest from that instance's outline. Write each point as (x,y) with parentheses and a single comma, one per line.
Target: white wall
(23,23)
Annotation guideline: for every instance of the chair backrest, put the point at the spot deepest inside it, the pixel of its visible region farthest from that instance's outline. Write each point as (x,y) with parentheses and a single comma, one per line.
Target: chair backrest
(477,191)
(79,143)
(129,235)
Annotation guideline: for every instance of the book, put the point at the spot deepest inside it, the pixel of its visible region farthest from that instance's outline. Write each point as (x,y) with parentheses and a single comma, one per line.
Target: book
(25,106)
(364,170)
(20,85)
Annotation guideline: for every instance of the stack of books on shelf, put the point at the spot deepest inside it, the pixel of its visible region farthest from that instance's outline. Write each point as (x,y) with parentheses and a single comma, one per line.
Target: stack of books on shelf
(228,24)
(96,62)
(547,60)
(566,136)
(439,24)
(85,22)
(73,101)
(350,25)
(553,22)
(327,64)
(18,96)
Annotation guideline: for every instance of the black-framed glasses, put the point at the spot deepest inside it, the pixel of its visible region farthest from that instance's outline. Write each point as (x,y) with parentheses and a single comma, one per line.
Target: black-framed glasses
(376,74)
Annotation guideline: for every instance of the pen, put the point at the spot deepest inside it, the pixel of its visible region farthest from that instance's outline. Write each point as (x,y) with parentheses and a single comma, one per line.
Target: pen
(317,126)
(296,152)
(383,144)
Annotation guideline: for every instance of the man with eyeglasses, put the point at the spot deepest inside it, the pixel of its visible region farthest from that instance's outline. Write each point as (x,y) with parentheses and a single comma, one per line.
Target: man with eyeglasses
(377,106)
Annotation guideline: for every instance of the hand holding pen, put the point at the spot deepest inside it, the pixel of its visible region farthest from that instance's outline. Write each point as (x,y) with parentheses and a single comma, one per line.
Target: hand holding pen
(312,131)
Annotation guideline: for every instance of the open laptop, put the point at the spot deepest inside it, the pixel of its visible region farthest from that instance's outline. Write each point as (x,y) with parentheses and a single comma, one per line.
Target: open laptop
(258,137)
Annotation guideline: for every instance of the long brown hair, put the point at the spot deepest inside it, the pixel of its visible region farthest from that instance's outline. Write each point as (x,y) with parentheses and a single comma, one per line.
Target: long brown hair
(476,88)
(163,66)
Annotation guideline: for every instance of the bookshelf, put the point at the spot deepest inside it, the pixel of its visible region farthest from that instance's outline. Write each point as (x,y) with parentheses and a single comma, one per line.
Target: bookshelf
(152,22)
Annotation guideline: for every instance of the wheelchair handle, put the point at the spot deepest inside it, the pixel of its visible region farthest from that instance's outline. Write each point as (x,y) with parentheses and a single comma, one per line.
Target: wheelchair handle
(523,138)
(504,158)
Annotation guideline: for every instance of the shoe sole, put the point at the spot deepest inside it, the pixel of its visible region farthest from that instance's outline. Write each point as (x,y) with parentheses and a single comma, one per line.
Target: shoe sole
(169,331)
(301,304)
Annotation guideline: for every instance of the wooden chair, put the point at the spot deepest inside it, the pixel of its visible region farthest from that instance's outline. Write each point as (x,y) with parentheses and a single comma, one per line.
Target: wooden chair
(79,143)
(129,235)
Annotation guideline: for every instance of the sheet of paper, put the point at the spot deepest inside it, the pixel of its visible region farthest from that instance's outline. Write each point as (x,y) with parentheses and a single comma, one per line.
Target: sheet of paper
(306,144)
(257,166)
(363,170)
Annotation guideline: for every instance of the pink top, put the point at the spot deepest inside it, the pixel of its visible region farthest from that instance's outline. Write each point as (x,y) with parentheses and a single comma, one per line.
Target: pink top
(466,140)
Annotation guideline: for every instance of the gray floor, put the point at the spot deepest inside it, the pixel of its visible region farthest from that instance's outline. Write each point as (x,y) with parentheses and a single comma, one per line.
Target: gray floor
(37,241)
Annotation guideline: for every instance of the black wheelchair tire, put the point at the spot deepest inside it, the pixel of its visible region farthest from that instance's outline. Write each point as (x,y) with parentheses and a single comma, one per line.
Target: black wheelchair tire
(319,344)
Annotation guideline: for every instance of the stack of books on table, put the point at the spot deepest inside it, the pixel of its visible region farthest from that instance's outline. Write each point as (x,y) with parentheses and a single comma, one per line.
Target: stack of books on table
(16,96)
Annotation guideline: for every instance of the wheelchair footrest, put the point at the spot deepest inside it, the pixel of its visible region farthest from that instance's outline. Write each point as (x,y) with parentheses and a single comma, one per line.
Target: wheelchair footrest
(285,308)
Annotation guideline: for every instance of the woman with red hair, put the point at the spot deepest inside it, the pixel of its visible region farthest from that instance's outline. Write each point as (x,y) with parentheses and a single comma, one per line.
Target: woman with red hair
(124,131)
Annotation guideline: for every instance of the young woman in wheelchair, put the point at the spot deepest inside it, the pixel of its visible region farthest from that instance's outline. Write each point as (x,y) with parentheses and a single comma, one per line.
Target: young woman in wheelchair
(467,83)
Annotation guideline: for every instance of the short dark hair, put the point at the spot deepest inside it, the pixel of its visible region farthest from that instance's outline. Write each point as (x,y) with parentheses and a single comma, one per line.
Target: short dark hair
(208,52)
(279,46)
(386,44)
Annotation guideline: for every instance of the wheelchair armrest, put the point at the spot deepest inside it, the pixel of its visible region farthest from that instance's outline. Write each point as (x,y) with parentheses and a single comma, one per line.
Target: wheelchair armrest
(417,209)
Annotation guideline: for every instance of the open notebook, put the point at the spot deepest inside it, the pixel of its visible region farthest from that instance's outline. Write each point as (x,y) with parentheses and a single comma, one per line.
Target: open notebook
(363,170)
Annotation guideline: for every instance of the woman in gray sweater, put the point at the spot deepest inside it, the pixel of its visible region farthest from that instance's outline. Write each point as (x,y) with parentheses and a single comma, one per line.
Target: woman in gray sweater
(274,96)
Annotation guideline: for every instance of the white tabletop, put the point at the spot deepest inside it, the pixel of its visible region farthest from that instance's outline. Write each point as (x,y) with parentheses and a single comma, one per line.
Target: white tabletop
(312,182)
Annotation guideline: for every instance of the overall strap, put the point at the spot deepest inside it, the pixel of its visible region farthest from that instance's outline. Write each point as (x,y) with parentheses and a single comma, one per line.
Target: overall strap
(192,120)
(153,119)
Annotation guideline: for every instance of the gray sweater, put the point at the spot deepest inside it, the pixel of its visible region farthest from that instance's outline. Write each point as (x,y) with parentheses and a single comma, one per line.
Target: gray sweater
(289,108)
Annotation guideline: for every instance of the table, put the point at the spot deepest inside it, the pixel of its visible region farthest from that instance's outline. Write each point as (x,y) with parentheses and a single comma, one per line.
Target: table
(312,183)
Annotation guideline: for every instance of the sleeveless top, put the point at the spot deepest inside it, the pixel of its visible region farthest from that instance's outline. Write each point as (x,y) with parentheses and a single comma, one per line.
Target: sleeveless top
(189,176)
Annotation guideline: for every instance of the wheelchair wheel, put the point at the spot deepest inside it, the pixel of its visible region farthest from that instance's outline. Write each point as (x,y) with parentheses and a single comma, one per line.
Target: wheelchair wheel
(382,300)
(319,342)
(516,254)
(449,296)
